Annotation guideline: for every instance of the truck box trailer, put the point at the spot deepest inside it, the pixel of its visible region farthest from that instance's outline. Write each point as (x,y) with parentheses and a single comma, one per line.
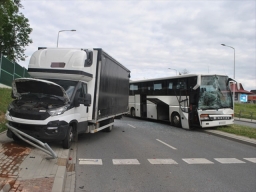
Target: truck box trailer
(71,91)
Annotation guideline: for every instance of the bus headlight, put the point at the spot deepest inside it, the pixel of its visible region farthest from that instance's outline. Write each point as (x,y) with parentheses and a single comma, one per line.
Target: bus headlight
(204,117)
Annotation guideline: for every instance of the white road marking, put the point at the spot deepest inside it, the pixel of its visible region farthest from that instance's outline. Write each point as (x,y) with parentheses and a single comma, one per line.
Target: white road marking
(166,144)
(253,160)
(131,126)
(228,160)
(162,161)
(125,162)
(90,161)
(197,161)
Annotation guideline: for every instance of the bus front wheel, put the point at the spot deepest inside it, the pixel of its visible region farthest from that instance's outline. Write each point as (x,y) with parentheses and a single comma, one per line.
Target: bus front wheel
(176,120)
(133,112)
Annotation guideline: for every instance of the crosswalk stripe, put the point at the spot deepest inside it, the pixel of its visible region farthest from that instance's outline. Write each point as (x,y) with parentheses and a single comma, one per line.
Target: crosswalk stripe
(253,160)
(197,161)
(228,160)
(162,161)
(165,161)
(125,162)
(90,161)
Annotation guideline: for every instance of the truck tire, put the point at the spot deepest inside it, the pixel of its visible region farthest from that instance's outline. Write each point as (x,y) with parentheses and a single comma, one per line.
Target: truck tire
(66,143)
(176,120)
(109,129)
(15,138)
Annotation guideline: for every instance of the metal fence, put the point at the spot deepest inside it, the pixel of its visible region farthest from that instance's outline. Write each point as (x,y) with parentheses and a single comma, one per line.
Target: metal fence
(10,71)
(246,115)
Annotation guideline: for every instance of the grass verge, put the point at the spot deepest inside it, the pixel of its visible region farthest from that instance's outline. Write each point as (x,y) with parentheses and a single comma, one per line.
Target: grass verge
(245,110)
(5,99)
(239,130)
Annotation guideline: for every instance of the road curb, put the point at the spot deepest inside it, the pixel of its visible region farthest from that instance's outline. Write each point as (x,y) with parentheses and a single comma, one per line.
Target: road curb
(242,139)
(58,184)
(60,177)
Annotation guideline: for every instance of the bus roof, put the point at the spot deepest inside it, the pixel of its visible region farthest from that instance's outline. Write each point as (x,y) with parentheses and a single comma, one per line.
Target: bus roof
(174,77)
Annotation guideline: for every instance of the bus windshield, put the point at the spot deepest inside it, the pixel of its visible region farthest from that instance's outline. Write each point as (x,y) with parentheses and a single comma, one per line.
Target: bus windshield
(214,93)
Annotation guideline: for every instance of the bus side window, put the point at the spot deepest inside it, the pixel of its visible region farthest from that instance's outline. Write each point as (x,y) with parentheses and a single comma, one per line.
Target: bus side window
(157,88)
(170,88)
(192,81)
(133,89)
(181,84)
(150,88)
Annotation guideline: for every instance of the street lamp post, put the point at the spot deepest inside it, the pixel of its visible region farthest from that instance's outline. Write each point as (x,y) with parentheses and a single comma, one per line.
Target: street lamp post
(234,59)
(62,31)
(173,69)
(233,85)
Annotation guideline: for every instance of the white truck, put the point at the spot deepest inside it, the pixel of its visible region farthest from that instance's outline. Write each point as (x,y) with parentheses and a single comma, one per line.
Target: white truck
(71,91)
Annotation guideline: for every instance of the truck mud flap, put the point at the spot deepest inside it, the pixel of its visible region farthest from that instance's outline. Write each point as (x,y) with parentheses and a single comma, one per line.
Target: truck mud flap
(36,143)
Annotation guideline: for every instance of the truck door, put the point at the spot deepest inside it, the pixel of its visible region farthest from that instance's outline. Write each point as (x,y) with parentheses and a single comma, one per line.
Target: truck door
(82,111)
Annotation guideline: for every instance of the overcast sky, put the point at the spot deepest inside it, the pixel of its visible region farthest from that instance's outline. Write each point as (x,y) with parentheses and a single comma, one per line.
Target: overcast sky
(148,37)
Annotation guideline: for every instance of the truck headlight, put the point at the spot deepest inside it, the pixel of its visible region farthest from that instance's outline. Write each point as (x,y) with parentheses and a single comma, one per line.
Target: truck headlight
(57,111)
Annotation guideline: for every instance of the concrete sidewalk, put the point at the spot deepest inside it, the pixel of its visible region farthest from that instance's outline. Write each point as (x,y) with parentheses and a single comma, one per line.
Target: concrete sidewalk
(26,168)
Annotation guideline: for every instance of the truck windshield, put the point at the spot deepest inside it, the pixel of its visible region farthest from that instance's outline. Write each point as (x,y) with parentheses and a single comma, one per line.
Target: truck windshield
(69,86)
(214,93)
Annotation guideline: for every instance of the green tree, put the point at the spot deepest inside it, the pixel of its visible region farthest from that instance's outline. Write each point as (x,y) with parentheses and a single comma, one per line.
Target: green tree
(14,30)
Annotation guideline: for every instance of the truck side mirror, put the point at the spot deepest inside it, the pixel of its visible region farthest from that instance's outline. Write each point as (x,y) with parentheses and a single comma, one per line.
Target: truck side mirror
(89,60)
(87,100)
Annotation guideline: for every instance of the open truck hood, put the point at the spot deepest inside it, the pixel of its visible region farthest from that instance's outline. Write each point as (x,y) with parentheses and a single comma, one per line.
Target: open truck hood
(22,86)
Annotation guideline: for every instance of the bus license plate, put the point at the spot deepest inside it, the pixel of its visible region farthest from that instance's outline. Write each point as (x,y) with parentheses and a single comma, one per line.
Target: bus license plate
(222,123)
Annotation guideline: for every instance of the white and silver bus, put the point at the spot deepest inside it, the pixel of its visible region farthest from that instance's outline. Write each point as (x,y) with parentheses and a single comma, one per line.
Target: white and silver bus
(187,101)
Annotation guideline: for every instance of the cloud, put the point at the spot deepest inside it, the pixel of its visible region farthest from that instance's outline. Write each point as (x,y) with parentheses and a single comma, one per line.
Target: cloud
(148,37)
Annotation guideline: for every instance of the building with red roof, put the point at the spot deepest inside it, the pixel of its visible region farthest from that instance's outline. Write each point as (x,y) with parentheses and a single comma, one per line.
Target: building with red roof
(241,95)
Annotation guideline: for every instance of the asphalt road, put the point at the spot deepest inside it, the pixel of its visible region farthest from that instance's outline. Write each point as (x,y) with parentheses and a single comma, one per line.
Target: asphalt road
(249,124)
(148,156)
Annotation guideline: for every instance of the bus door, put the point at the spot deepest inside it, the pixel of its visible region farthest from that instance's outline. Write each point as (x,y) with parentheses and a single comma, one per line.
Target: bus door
(193,102)
(143,109)
(193,114)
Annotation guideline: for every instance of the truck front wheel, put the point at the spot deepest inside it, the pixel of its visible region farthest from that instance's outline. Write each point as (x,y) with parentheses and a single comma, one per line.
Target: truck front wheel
(66,143)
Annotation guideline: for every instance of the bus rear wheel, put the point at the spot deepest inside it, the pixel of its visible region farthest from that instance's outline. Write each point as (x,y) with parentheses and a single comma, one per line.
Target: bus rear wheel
(176,120)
